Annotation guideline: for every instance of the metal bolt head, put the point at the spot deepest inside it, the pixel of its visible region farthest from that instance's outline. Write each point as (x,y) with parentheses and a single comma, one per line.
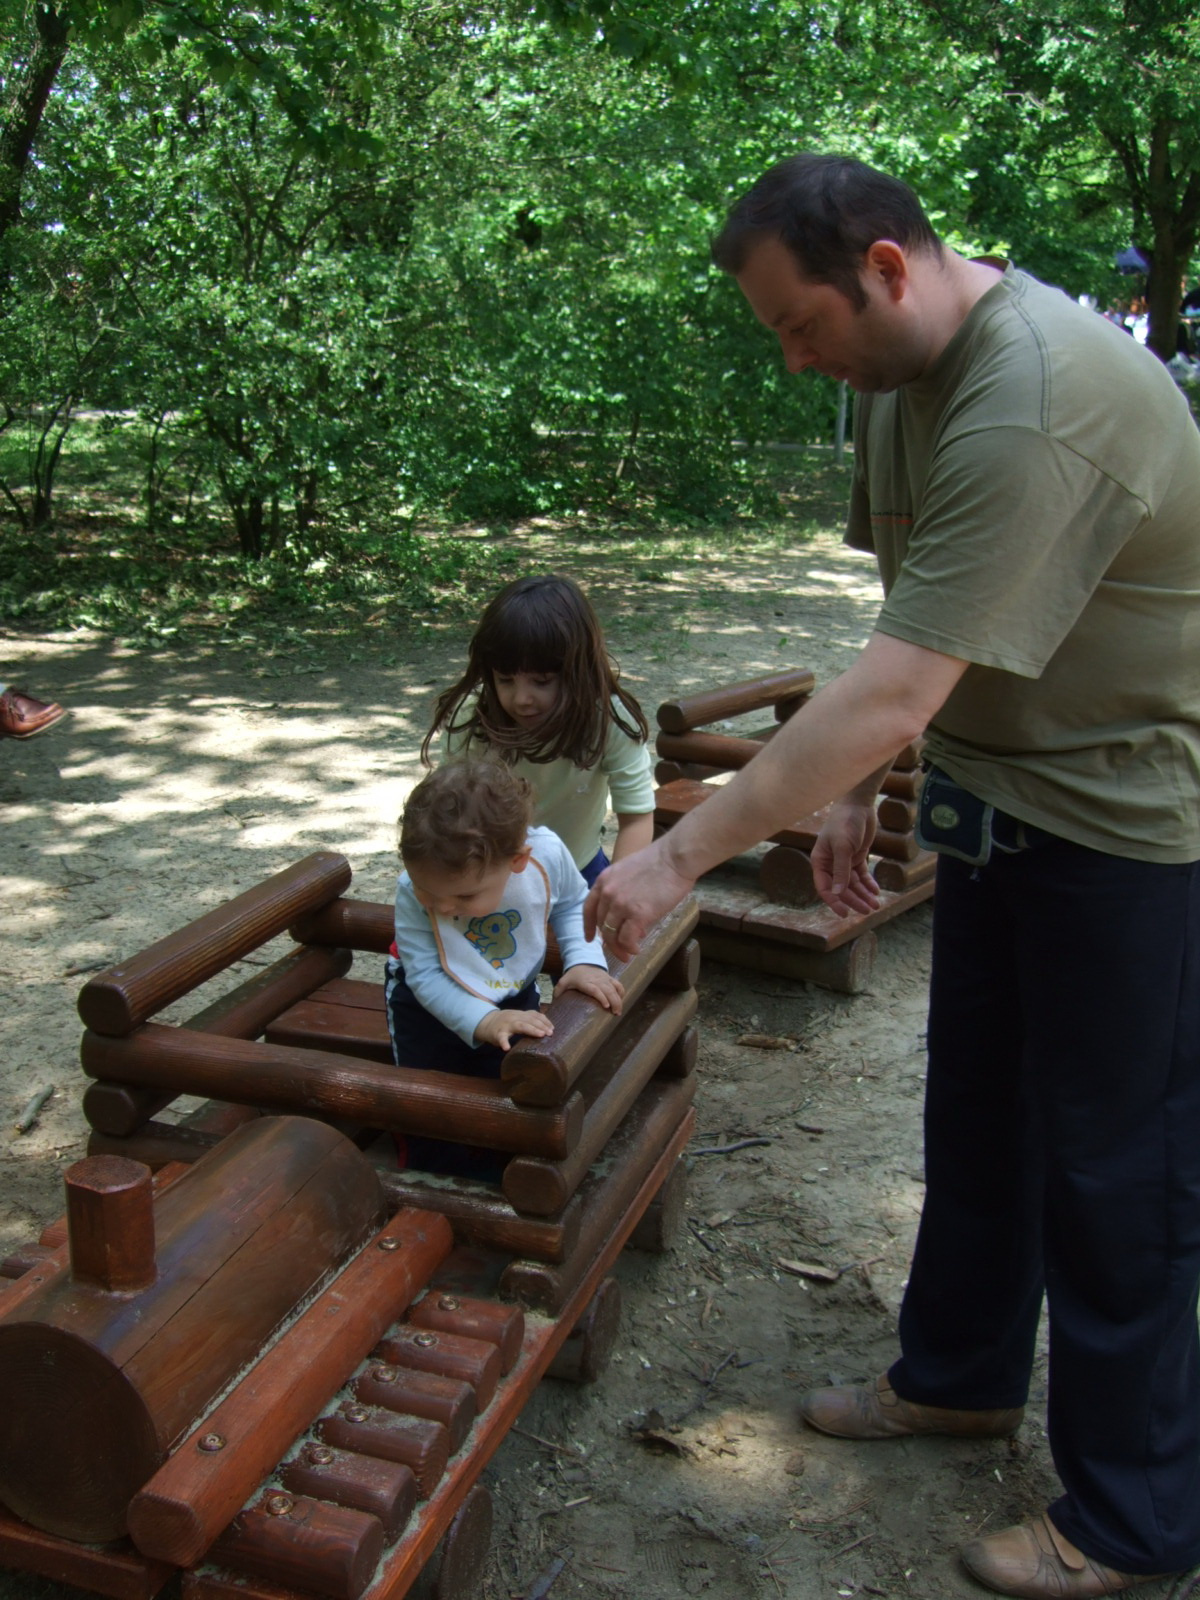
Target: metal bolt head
(278,1505)
(210,1442)
(449,1302)
(425,1341)
(353,1413)
(384,1374)
(389,1244)
(318,1455)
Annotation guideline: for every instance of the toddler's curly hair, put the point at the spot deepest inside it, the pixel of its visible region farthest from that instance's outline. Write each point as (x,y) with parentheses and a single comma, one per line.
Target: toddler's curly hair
(467,813)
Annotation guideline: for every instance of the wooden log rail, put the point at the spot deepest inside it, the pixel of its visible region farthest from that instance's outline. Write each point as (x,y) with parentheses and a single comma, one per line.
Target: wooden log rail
(117,1000)
(638,1160)
(478,1215)
(442,1105)
(541,1072)
(712,705)
(617,1075)
(384,1439)
(243,1013)
(677,799)
(385,1489)
(180,1511)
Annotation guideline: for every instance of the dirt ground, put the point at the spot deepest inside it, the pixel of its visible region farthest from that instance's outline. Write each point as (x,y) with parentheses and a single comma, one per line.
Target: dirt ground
(183,777)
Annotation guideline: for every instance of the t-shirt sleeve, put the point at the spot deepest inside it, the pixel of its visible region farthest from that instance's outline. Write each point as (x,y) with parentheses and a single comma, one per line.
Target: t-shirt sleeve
(627,767)
(1015,532)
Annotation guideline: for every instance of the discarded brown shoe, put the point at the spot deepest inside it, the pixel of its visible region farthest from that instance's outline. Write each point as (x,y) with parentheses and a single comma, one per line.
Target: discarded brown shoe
(876,1411)
(21,716)
(1034,1559)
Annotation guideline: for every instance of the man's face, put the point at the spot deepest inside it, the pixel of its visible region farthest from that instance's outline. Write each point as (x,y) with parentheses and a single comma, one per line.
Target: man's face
(819,327)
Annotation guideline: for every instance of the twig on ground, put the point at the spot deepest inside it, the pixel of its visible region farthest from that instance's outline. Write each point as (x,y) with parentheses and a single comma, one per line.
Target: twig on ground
(33,1109)
(543,1585)
(853,1545)
(839,1516)
(546,1444)
(728,1149)
(706,1385)
(694,1228)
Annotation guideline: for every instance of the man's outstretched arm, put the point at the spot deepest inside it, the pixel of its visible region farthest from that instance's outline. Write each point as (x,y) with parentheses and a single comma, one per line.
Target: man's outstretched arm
(850,730)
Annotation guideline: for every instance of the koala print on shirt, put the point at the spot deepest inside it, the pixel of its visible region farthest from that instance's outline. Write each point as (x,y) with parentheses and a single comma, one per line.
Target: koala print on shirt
(492,935)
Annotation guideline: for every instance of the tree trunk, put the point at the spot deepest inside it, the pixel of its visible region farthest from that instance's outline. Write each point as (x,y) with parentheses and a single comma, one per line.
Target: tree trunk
(1172,207)
(25,105)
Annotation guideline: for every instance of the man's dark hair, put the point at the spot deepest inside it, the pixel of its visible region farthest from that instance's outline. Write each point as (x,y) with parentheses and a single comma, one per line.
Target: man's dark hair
(828,211)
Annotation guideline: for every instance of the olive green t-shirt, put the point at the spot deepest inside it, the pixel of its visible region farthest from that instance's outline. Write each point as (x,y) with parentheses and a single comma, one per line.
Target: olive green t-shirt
(1034,504)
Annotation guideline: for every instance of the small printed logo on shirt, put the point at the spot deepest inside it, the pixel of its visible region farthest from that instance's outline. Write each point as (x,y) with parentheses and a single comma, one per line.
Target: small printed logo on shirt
(492,935)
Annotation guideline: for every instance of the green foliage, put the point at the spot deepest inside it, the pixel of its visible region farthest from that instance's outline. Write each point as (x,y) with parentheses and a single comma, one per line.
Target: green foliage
(339,268)
(102,571)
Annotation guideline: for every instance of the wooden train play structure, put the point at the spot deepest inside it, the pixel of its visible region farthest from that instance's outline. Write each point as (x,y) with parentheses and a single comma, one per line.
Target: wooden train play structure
(761,909)
(255,1353)
(258,1355)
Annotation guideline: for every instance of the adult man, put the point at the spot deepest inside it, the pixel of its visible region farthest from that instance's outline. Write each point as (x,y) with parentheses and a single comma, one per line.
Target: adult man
(1030,482)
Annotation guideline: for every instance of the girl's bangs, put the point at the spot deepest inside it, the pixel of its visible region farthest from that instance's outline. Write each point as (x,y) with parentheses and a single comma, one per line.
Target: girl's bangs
(523,644)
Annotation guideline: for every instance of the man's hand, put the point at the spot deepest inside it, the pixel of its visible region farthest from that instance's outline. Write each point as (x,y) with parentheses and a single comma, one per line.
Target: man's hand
(839,859)
(502,1027)
(631,896)
(597,984)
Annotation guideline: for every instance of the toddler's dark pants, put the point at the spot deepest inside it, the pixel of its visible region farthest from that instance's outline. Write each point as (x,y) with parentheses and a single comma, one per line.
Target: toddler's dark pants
(420,1040)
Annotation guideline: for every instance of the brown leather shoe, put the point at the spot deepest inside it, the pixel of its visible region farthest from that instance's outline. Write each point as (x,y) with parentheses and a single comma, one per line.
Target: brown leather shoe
(876,1411)
(21,716)
(1036,1560)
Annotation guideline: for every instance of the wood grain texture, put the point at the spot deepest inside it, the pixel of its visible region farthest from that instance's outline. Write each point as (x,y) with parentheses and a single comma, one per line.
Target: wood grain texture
(386,1489)
(587,1349)
(116,1570)
(786,875)
(898,876)
(96,1387)
(541,1072)
(846,969)
(117,1000)
(421,1446)
(292,1539)
(643,1149)
(711,705)
(448,1353)
(446,1312)
(358,924)
(183,1507)
(397,1386)
(110,1223)
(443,1105)
(663,1218)
(618,1073)
(480,1215)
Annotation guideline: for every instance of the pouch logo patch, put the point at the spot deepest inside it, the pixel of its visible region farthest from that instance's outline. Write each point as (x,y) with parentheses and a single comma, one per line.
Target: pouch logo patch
(492,935)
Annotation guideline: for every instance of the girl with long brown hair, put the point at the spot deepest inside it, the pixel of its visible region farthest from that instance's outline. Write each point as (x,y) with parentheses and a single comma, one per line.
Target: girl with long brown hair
(541,692)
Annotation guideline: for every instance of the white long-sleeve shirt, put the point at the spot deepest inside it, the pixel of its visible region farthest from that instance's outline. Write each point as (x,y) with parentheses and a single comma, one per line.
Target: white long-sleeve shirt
(460,968)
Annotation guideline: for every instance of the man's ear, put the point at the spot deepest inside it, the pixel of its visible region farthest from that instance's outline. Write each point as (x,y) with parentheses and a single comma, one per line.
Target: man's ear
(521,860)
(887,264)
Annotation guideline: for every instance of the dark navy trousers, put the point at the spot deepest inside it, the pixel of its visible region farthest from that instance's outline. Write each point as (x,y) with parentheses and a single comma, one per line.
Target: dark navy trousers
(1062,1134)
